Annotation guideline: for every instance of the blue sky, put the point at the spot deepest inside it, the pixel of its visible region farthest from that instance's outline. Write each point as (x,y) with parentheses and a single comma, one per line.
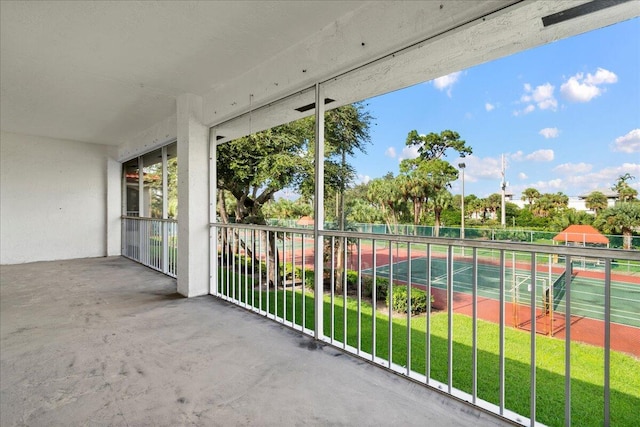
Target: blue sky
(566,115)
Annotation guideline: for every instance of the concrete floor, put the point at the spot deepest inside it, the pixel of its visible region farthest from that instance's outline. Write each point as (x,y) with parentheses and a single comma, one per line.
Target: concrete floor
(106,341)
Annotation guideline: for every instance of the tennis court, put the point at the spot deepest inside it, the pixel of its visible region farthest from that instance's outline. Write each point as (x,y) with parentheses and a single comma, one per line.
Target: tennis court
(587,292)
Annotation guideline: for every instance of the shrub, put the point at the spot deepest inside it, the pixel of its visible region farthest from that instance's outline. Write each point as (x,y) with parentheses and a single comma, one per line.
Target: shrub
(352,280)
(418,300)
(382,287)
(309,278)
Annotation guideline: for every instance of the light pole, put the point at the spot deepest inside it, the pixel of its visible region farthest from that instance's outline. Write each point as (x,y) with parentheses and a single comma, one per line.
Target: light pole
(462,166)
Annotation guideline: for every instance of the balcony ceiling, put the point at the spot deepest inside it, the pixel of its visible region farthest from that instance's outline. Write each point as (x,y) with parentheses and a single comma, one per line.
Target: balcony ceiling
(103,72)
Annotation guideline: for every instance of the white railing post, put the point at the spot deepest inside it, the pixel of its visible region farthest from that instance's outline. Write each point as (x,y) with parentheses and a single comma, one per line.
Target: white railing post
(140,208)
(318,223)
(213,230)
(165,212)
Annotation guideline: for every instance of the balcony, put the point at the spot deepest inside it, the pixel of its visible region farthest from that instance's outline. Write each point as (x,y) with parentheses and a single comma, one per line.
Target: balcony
(106,341)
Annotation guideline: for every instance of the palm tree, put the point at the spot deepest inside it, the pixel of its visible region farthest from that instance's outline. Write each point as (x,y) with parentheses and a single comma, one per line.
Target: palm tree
(621,218)
(530,195)
(560,201)
(440,201)
(493,203)
(570,217)
(596,201)
(625,192)
(544,205)
(385,195)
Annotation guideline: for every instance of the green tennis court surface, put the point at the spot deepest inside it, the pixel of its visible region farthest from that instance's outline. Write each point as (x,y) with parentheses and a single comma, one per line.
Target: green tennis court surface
(587,294)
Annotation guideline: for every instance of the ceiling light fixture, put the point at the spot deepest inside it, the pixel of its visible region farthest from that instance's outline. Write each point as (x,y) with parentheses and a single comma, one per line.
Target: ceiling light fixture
(313,105)
(583,9)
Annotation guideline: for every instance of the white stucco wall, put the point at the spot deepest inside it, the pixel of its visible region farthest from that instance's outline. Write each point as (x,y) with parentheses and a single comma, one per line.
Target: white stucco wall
(53,199)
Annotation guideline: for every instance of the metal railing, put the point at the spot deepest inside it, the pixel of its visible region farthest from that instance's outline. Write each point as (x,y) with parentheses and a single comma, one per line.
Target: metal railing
(467,317)
(152,242)
(512,234)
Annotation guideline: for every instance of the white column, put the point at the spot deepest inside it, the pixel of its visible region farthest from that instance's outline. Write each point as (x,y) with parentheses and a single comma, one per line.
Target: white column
(193,198)
(318,223)
(213,231)
(114,207)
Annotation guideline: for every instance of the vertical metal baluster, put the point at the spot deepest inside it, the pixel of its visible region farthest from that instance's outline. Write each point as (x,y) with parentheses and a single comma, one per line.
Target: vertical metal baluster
(390,313)
(333,287)
(374,299)
(284,277)
(474,345)
(147,252)
(230,262)
(238,244)
(246,268)
(152,244)
(409,308)
(567,342)
(607,341)
(304,287)
(359,325)
(143,240)
(253,269)
(502,326)
(427,348)
(235,290)
(276,276)
(293,280)
(267,249)
(534,282)
(344,293)
(450,318)
(259,260)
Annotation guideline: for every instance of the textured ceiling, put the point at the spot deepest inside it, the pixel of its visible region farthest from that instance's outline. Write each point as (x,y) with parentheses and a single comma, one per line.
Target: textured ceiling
(97,71)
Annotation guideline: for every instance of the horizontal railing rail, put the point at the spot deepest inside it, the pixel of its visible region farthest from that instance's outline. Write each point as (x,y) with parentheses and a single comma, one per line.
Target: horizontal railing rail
(495,323)
(152,242)
(515,234)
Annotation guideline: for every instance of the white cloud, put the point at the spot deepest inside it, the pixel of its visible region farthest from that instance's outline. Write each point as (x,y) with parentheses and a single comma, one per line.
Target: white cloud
(573,168)
(629,143)
(581,88)
(364,179)
(522,175)
(601,76)
(528,109)
(602,178)
(409,152)
(390,152)
(482,168)
(536,156)
(447,82)
(541,156)
(489,107)
(518,156)
(541,97)
(549,132)
(552,184)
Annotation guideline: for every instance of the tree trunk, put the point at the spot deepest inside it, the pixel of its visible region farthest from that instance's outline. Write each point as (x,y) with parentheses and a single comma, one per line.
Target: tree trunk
(225,245)
(269,241)
(627,237)
(416,211)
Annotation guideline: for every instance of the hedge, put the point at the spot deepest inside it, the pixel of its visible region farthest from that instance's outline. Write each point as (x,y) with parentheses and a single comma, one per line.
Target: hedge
(418,300)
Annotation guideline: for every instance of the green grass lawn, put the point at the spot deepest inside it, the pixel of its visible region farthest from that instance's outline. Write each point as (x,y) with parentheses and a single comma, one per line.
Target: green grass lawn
(587,361)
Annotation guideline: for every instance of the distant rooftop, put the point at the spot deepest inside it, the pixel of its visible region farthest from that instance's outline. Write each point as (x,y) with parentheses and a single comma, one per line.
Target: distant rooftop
(606,191)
